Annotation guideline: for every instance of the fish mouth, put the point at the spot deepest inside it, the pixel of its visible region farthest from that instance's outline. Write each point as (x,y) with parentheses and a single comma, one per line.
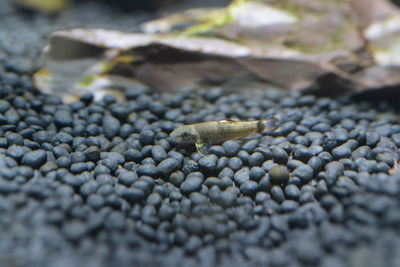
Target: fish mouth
(176,137)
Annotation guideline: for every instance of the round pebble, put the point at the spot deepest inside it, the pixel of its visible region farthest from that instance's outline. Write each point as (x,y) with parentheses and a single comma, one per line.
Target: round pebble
(34,159)
(279,175)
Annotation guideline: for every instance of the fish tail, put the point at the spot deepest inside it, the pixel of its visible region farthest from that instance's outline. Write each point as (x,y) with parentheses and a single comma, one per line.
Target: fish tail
(268,125)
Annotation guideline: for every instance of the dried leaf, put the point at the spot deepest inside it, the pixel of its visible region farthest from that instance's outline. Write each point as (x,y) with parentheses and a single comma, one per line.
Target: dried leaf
(334,46)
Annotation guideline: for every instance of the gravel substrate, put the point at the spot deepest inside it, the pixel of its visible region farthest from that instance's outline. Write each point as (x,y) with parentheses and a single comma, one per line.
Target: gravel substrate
(100,183)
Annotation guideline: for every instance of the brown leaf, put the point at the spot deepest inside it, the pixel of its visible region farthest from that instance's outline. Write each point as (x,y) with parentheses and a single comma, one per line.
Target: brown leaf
(331,46)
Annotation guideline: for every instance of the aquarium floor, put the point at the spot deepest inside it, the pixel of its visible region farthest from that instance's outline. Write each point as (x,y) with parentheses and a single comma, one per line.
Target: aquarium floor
(100,183)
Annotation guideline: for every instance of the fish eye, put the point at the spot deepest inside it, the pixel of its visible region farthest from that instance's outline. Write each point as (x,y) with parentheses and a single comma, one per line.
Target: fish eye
(185,134)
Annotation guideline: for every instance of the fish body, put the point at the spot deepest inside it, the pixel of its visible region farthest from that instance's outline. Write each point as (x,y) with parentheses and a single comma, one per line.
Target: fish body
(213,132)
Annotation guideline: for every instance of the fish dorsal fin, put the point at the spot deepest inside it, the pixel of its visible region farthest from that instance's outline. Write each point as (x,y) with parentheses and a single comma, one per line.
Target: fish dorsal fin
(230,120)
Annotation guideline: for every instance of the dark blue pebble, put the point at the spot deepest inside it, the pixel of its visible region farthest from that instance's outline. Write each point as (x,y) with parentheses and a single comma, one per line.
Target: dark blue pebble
(214,94)
(256,173)
(147,169)
(34,159)
(321,127)
(158,153)
(86,98)
(292,192)
(192,183)
(8,173)
(309,253)
(133,155)
(93,130)
(341,152)
(279,155)
(63,118)
(303,154)
(133,195)
(326,157)
(222,163)
(89,188)
(3,142)
(288,206)
(244,156)
(347,163)
(241,176)
(302,129)
(92,153)
(190,166)
(226,182)
(265,151)
(113,163)
(228,197)
(154,199)
(217,150)
(261,197)
(79,167)
(306,197)
(256,159)
(351,143)
(231,148)
(147,232)
(176,178)
(372,138)
(293,164)
(250,146)
(95,201)
(249,188)
(109,99)
(211,181)
(295,181)
(193,244)
(12,117)
(287,127)
(78,157)
(396,139)
(145,183)
(316,164)
(304,172)
(147,137)
(301,140)
(329,141)
(333,171)
(341,135)
(315,138)
(27,133)
(277,194)
(120,112)
(17,152)
(208,163)
(42,137)
(8,187)
(168,166)
(111,126)
(235,163)
(4,106)
(14,139)
(316,149)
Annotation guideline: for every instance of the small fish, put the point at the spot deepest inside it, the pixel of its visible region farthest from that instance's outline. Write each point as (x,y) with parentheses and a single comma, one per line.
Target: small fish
(213,132)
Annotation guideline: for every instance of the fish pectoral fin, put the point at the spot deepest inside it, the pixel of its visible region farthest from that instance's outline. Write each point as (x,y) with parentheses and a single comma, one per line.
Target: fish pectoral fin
(202,149)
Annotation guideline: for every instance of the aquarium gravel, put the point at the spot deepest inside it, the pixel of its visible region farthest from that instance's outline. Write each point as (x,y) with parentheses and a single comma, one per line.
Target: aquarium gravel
(100,183)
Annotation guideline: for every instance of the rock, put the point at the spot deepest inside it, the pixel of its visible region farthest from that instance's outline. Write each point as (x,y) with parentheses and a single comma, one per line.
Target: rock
(34,159)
